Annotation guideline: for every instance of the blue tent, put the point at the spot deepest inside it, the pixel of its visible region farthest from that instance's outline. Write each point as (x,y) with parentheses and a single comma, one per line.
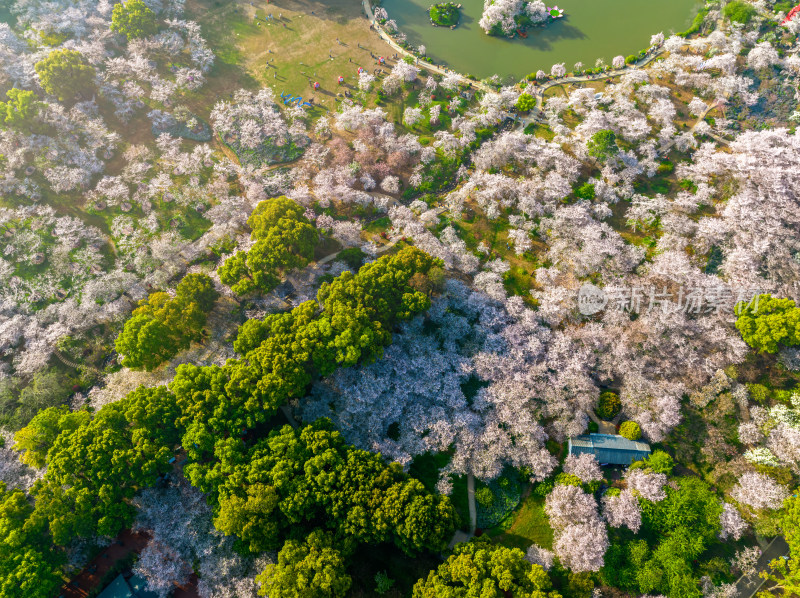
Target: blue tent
(609,448)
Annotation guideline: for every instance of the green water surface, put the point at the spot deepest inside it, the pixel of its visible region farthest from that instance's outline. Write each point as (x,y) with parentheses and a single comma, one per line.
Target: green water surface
(589,30)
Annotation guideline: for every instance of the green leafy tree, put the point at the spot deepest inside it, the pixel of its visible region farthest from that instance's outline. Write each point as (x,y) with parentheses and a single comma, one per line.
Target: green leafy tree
(739,11)
(295,478)
(197,288)
(659,462)
(38,436)
(133,19)
(677,531)
(21,111)
(585,191)
(145,343)
(162,326)
(313,568)
(480,568)
(608,405)
(630,430)
(768,323)
(603,145)
(783,576)
(526,102)
(47,388)
(94,470)
(285,240)
(65,73)
(29,566)
(383,583)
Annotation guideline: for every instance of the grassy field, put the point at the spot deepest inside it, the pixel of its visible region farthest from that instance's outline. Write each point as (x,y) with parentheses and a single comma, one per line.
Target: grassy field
(290,51)
(527,525)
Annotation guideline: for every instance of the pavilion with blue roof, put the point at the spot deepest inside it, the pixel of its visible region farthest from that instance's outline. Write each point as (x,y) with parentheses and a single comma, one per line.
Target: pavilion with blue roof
(610,449)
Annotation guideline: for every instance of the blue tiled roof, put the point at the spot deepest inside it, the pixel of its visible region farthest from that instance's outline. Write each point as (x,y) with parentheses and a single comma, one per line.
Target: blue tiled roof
(609,448)
(118,588)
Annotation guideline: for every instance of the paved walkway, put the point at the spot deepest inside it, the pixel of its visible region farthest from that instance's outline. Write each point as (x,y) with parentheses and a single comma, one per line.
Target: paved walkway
(603,427)
(473,512)
(747,586)
(403,52)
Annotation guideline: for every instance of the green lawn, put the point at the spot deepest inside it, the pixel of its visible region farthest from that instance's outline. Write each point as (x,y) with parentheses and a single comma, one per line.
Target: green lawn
(527,525)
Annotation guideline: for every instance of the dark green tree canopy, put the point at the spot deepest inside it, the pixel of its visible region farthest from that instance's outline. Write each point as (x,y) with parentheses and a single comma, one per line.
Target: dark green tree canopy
(312,478)
(95,469)
(603,145)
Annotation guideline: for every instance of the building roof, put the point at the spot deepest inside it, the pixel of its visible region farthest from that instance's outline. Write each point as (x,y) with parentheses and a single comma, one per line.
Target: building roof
(118,588)
(609,448)
(132,588)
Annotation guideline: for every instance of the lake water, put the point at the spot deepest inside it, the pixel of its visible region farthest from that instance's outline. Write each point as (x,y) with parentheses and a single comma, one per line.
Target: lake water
(589,30)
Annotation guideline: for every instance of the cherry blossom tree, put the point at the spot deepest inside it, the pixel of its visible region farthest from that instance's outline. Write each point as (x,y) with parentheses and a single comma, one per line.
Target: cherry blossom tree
(759,491)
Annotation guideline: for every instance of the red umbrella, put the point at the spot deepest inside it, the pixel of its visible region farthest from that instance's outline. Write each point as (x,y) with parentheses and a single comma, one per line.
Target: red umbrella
(341,79)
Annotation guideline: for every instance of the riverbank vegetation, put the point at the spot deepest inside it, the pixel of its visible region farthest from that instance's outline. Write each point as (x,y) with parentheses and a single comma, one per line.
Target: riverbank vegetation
(445,14)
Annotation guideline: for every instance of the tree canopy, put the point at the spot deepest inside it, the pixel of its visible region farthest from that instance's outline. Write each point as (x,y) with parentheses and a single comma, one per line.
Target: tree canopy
(29,566)
(65,73)
(480,568)
(526,102)
(162,325)
(768,323)
(312,478)
(95,469)
(603,145)
(284,240)
(133,19)
(21,110)
(313,568)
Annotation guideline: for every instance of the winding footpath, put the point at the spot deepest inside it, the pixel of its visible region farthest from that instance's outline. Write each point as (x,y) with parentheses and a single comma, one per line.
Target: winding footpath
(402,51)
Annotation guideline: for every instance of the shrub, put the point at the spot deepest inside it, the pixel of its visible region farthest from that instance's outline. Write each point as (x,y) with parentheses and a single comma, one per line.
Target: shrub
(383,583)
(352,256)
(739,11)
(759,393)
(660,462)
(666,167)
(544,487)
(484,497)
(526,102)
(630,430)
(568,479)
(630,59)
(585,191)
(609,405)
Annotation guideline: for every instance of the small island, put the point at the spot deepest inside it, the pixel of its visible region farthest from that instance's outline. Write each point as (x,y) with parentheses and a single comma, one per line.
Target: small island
(445,14)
